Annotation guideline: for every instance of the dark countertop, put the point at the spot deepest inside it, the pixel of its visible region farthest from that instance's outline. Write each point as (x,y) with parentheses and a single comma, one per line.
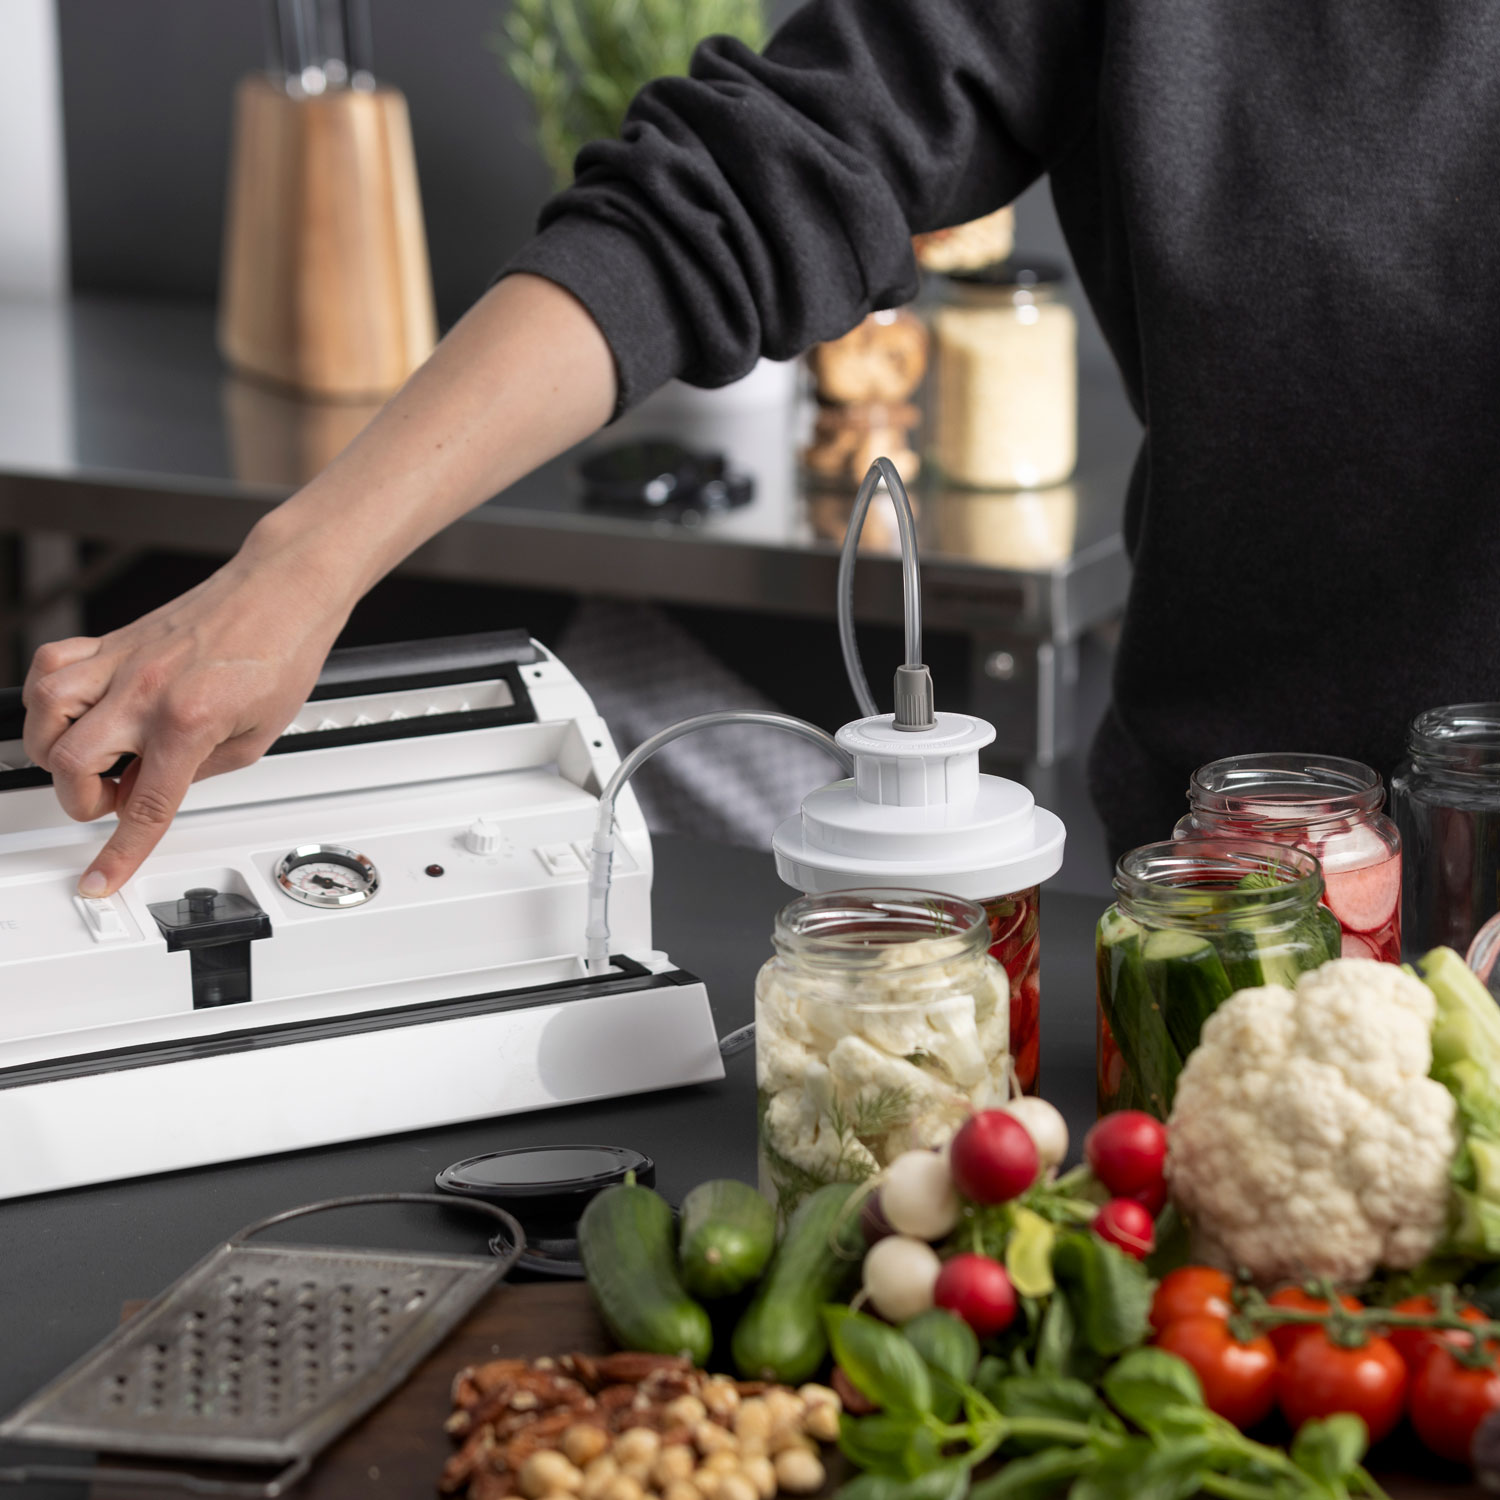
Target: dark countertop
(69,1261)
(119,421)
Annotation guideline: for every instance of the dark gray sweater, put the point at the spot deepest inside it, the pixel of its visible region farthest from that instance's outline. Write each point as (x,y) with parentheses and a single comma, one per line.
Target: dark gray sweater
(1286,214)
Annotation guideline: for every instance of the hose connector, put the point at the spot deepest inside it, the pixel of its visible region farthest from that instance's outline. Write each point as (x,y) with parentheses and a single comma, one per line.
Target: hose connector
(914,699)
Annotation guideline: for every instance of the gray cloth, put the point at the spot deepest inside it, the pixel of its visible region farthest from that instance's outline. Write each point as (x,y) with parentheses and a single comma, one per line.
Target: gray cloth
(1284,213)
(732,785)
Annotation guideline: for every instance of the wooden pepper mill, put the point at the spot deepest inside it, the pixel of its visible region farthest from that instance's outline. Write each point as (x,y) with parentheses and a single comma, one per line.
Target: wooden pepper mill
(325,284)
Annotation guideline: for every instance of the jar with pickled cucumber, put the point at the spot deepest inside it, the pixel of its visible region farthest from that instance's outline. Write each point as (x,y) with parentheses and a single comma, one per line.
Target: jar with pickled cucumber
(880,1025)
(1194,921)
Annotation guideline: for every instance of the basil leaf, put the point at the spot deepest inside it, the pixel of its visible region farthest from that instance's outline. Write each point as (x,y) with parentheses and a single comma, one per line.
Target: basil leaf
(1146,1385)
(946,1342)
(1331,1449)
(950,1482)
(1053,1397)
(879,1444)
(1054,1345)
(1109,1291)
(1137,1470)
(1037,1477)
(885,1368)
(947,1395)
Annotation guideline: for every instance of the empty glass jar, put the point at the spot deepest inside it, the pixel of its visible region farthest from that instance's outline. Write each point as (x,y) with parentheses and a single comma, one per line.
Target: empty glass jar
(1446,802)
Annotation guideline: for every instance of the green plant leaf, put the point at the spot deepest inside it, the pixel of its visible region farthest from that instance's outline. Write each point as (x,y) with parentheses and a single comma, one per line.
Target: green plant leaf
(1139,1470)
(946,1342)
(1110,1293)
(1037,1476)
(884,1367)
(1056,1398)
(1331,1449)
(949,1482)
(1028,1254)
(1149,1383)
(1056,1337)
(879,1444)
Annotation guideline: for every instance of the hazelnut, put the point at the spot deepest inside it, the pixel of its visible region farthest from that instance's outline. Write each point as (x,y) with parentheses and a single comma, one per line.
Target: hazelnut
(762,1474)
(681,1489)
(822,1422)
(672,1464)
(735,1486)
(547,1472)
(582,1444)
(799,1472)
(753,1421)
(598,1476)
(637,1445)
(709,1438)
(623,1487)
(720,1397)
(684,1411)
(725,1461)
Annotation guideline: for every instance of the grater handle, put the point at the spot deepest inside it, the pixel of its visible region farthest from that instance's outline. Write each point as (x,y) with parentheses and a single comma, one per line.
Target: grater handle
(506,1246)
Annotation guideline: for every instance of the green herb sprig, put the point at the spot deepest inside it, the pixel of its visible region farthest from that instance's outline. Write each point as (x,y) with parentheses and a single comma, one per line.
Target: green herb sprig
(581,62)
(1142,1434)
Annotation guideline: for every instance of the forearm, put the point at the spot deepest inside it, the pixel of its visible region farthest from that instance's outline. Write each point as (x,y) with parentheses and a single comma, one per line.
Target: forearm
(523,376)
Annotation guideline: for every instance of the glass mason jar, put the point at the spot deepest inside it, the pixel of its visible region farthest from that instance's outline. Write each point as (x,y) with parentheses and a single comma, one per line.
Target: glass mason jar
(881,1022)
(1327,805)
(1194,920)
(1006,363)
(1016,944)
(1446,801)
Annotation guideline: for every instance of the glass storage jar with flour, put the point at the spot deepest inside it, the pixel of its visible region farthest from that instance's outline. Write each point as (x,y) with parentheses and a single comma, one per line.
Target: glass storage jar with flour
(1005,353)
(880,1024)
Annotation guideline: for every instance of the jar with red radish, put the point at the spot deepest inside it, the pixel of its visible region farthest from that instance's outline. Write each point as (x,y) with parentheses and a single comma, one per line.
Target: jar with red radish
(1324,804)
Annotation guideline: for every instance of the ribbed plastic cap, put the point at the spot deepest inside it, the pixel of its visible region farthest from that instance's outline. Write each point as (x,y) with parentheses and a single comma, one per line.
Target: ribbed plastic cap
(919,813)
(914,699)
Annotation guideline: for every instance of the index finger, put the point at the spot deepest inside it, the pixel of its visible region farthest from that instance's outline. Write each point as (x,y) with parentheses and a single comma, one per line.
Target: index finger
(151,791)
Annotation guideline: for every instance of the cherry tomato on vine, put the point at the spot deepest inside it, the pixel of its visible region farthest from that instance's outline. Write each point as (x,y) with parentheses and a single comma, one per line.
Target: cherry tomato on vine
(1294,1299)
(1412,1344)
(1449,1400)
(1318,1378)
(1190,1292)
(1239,1380)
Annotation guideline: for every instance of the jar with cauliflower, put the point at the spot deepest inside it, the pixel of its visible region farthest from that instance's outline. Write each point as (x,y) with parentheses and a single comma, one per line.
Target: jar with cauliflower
(1194,921)
(881,1023)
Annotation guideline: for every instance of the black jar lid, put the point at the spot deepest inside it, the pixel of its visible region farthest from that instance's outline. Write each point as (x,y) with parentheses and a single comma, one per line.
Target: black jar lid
(1015,272)
(545,1182)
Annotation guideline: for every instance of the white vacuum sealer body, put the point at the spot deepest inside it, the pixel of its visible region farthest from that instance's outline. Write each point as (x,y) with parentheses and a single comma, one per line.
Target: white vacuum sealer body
(384,933)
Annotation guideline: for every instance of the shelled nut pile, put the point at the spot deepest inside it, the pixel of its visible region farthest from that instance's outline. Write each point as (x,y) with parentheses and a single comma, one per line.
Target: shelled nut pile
(629,1426)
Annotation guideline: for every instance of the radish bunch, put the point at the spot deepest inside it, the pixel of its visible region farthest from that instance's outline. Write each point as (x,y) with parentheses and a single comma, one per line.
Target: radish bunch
(997,1157)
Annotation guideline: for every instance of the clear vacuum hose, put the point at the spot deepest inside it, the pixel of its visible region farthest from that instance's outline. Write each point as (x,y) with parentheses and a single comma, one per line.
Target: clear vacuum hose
(911,578)
(597,932)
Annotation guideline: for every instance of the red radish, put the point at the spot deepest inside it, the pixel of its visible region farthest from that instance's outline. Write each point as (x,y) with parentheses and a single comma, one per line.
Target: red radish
(1365,900)
(1126,1151)
(993,1158)
(978,1290)
(1126,1224)
(1354,946)
(1154,1198)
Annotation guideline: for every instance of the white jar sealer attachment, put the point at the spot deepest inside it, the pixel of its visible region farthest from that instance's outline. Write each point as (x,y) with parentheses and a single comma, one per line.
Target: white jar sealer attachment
(917,811)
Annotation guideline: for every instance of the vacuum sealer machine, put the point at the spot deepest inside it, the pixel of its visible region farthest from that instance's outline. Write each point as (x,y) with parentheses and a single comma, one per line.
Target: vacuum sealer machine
(376,928)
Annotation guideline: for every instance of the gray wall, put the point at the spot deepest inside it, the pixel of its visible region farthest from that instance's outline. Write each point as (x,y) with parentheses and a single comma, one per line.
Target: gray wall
(147,88)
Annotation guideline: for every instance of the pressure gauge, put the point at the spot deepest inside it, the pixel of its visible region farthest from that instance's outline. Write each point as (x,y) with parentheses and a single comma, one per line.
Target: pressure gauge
(326,876)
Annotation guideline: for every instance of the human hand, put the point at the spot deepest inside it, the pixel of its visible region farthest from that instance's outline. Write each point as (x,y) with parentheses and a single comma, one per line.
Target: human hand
(202,685)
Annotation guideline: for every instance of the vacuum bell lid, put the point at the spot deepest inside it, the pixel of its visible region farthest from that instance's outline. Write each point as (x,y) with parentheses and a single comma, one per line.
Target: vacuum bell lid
(919,813)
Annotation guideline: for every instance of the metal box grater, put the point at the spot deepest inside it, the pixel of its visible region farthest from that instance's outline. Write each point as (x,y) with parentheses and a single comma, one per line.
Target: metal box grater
(260,1355)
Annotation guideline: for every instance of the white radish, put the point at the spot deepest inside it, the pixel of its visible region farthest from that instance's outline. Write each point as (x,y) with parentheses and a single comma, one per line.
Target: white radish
(1046,1127)
(917,1196)
(899,1276)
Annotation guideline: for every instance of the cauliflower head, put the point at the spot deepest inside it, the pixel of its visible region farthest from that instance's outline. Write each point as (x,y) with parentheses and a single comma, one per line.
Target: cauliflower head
(1306,1138)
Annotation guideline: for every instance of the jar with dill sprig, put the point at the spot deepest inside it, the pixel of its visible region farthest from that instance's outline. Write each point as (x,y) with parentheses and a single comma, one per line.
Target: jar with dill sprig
(880,1025)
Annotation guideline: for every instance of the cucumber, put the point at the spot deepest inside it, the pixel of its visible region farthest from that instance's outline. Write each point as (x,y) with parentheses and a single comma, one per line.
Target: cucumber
(1188,978)
(726,1236)
(1332,933)
(1241,957)
(628,1244)
(781,1336)
(1134,1013)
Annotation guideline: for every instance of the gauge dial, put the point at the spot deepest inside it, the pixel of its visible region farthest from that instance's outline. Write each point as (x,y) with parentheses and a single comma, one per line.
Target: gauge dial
(326,876)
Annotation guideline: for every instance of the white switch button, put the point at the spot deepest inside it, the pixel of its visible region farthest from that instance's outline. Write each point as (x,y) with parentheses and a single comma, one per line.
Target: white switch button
(105,920)
(483,836)
(560,859)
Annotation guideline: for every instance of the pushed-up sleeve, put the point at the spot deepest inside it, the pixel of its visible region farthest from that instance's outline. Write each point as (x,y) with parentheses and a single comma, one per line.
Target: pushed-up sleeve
(767,201)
